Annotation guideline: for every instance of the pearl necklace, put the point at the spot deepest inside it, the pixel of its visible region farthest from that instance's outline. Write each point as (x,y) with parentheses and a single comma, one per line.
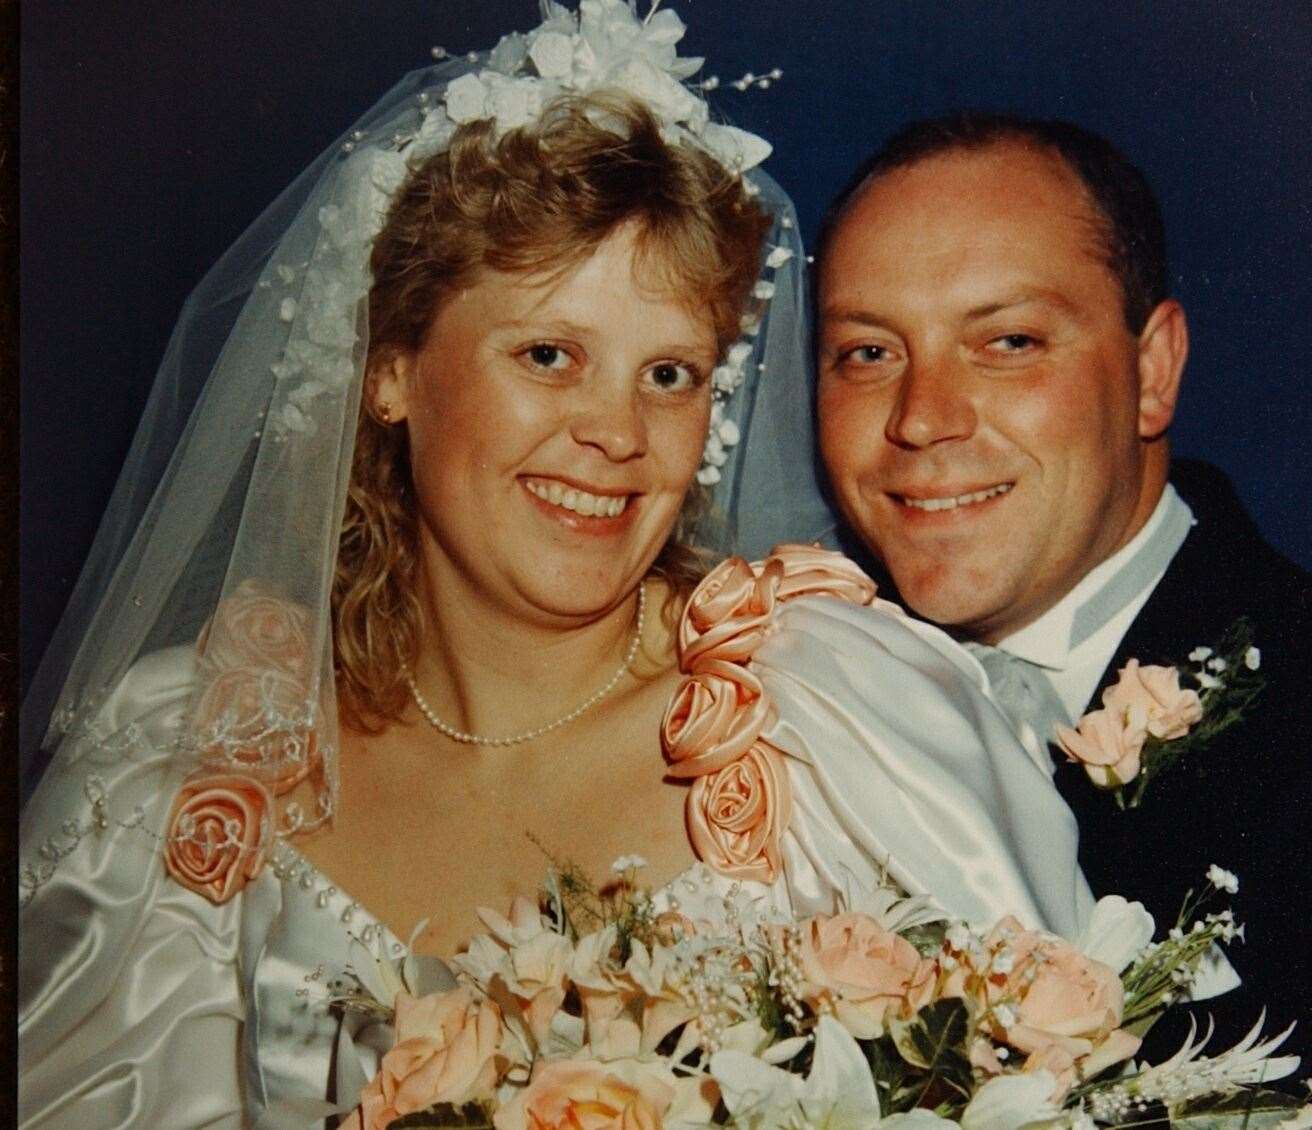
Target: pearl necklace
(480,739)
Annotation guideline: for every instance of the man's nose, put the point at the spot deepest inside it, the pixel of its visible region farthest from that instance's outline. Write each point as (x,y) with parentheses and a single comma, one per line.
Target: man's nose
(608,416)
(933,404)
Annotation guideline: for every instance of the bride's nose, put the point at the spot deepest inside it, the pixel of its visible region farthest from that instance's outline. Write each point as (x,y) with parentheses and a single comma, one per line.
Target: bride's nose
(608,416)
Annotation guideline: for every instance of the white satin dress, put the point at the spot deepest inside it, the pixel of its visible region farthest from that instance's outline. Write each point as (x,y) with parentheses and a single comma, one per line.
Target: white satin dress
(144,1005)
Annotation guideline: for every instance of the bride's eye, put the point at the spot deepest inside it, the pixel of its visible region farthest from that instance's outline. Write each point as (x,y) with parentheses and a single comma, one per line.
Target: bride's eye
(545,355)
(674,376)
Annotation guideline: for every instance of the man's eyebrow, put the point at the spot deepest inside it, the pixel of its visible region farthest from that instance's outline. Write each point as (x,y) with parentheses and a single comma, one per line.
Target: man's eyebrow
(851,314)
(1021,298)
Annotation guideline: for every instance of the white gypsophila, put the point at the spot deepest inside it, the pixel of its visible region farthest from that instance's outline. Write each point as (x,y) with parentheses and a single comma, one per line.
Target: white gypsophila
(1222,879)
(1253,658)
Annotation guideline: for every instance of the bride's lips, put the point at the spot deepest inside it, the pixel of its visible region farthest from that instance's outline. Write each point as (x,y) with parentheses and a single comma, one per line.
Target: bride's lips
(582,507)
(950,503)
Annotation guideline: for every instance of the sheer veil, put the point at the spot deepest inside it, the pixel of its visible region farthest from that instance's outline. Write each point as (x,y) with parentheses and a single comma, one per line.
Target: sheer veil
(235,483)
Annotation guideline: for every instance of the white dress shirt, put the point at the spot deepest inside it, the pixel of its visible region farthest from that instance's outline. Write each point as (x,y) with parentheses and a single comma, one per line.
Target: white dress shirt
(1075,665)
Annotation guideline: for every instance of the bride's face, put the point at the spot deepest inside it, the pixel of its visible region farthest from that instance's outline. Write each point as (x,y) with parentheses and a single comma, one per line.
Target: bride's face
(555,427)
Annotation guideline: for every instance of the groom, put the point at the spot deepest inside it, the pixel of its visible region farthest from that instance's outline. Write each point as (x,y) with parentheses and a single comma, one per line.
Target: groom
(999,361)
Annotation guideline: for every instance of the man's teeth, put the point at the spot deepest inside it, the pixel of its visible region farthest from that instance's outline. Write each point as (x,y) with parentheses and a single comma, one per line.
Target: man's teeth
(580,501)
(959,500)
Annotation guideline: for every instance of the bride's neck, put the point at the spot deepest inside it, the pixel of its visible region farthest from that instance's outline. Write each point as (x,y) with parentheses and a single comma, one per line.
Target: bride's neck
(488,668)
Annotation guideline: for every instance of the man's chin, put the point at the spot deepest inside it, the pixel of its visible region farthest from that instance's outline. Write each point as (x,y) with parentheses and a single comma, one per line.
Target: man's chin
(959,607)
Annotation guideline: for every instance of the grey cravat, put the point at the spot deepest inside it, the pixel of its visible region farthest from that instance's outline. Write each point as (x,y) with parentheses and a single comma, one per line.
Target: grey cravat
(1023,690)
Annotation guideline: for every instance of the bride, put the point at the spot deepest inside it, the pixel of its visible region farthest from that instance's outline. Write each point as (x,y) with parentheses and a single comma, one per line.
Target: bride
(416,579)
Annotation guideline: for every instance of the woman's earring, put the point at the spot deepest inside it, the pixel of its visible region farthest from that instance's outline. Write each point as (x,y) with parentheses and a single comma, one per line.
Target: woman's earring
(385,413)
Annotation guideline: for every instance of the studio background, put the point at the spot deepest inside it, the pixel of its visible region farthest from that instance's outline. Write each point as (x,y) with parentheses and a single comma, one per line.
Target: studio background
(153,132)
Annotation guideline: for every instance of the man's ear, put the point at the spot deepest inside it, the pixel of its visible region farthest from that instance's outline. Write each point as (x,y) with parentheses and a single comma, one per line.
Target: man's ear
(1163,347)
(387,387)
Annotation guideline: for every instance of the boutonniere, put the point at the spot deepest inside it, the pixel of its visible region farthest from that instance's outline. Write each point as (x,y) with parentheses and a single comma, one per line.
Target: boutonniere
(1152,717)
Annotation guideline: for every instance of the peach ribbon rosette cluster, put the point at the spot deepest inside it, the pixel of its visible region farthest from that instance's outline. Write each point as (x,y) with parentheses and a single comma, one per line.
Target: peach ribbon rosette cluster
(253,723)
(740,800)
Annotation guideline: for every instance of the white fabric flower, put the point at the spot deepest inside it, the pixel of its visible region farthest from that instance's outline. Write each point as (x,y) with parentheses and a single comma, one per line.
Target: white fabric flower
(552,53)
(735,148)
(778,256)
(513,102)
(434,135)
(466,99)
(668,98)
(509,53)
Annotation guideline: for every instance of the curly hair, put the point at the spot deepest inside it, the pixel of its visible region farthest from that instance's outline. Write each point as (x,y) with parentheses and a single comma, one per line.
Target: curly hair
(539,199)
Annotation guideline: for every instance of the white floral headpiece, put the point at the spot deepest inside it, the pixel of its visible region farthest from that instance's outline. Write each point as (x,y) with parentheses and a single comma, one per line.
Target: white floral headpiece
(605,45)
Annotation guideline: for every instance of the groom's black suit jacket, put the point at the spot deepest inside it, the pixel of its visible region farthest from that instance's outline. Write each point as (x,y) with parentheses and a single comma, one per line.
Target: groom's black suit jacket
(1245,802)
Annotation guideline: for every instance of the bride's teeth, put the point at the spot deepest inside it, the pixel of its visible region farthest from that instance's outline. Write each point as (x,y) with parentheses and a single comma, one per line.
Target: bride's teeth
(935,504)
(580,501)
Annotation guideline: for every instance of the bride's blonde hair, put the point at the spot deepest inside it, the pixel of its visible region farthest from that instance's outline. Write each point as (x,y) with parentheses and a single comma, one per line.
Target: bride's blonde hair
(541,198)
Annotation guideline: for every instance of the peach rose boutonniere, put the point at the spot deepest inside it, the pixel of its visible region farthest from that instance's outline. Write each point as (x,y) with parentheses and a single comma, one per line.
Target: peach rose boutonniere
(218,833)
(1149,720)
(741,799)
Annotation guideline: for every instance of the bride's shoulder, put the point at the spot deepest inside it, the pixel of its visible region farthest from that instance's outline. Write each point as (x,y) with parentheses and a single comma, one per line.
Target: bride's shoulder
(159,683)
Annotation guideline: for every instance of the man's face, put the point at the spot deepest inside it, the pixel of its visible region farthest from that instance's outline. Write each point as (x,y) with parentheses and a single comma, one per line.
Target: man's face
(979,391)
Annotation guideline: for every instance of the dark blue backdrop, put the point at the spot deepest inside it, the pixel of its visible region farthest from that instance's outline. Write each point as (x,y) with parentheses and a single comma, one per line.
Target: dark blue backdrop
(153,132)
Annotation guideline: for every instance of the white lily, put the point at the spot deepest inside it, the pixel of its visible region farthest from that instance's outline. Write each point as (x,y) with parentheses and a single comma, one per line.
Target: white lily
(1011,1102)
(839,1094)
(1117,932)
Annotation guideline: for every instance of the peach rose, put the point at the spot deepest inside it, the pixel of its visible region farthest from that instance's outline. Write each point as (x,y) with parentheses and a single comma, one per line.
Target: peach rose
(809,570)
(868,974)
(586,1095)
(256,721)
(251,628)
(218,833)
(1107,744)
(727,616)
(736,817)
(445,1052)
(713,719)
(1059,1006)
(1154,699)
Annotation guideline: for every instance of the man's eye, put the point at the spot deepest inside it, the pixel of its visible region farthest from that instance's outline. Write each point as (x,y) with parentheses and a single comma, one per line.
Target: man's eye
(547,356)
(1013,343)
(673,376)
(866,355)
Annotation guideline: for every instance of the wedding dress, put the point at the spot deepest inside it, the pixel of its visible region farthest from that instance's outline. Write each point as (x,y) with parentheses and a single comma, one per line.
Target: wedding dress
(218,1016)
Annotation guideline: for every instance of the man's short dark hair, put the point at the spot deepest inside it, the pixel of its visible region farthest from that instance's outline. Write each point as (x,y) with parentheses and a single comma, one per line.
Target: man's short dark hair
(1132,232)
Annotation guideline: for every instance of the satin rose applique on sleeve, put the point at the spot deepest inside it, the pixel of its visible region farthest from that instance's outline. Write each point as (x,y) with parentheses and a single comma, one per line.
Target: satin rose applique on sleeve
(740,800)
(254,723)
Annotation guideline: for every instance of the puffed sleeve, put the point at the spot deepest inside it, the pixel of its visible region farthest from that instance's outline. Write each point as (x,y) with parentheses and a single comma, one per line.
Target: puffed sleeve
(129,995)
(899,758)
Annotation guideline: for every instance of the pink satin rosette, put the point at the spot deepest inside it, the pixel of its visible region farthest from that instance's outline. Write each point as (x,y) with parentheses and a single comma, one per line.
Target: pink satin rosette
(255,667)
(741,800)
(218,833)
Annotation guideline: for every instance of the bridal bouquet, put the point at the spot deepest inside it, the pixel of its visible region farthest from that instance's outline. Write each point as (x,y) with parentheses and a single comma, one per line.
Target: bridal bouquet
(700,1006)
